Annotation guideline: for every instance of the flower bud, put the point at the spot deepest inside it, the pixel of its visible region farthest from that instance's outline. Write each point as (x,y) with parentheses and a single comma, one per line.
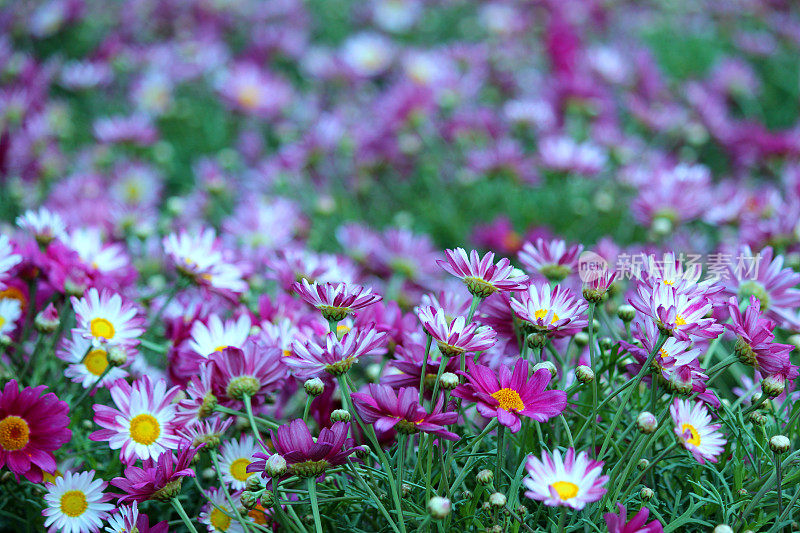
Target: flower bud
(581,339)
(116,356)
(314,387)
(757,418)
(254,484)
(779,444)
(340,415)
(449,381)
(47,320)
(486,506)
(646,422)
(373,373)
(723,528)
(595,326)
(643,464)
(5,340)
(405,490)
(74,288)
(485,476)
(794,340)
(536,340)
(742,492)
(595,296)
(497,528)
(248,500)
(773,385)
(584,374)
(646,493)
(605,343)
(363,451)
(550,367)
(438,507)
(498,499)
(275,466)
(626,313)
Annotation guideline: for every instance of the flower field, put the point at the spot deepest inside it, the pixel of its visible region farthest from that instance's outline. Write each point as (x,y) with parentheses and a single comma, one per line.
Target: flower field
(399,266)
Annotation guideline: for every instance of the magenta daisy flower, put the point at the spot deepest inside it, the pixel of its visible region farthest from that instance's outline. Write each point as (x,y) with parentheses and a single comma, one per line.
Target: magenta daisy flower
(572,482)
(554,259)
(457,337)
(199,402)
(335,300)
(104,318)
(695,431)
(481,276)
(388,409)
(754,345)
(156,480)
(508,395)
(255,370)
(763,275)
(619,523)
(143,425)
(676,313)
(305,456)
(335,356)
(32,427)
(557,312)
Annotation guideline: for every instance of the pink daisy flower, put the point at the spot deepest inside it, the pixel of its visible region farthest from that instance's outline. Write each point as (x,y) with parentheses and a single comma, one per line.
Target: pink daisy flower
(618,523)
(557,312)
(677,313)
(508,395)
(128,517)
(335,300)
(695,431)
(208,432)
(457,337)
(388,409)
(255,370)
(555,260)
(142,426)
(200,258)
(156,480)
(199,402)
(32,427)
(754,344)
(304,455)
(481,276)
(335,356)
(105,319)
(572,482)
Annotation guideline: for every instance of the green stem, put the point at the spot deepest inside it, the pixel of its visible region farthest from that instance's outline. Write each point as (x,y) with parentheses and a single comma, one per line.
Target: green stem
(562,519)
(592,365)
(442,365)
(473,306)
(182,513)
(312,494)
(498,467)
(88,391)
(249,409)
(424,371)
(307,408)
(279,509)
(401,461)
(662,338)
(779,474)
(372,495)
(224,489)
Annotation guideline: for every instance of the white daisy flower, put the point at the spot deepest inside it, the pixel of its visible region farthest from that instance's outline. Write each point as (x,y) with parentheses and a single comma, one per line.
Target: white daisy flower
(8,259)
(234,458)
(76,503)
(43,224)
(86,362)
(695,431)
(199,257)
(89,245)
(10,311)
(572,482)
(217,513)
(218,335)
(105,319)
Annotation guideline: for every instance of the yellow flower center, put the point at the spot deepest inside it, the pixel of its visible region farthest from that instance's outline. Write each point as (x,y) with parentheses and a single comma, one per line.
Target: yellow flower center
(2,321)
(287,353)
(100,327)
(565,489)
(14,433)
(219,520)
(679,320)
(145,429)
(668,282)
(239,469)
(73,503)
(47,477)
(341,329)
(221,347)
(249,97)
(509,399)
(542,313)
(96,361)
(695,438)
(664,353)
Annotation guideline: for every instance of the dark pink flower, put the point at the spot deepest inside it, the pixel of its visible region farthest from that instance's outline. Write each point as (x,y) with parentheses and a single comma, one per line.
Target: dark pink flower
(254,371)
(755,345)
(335,300)
(481,276)
(508,396)
(617,522)
(32,427)
(388,409)
(156,480)
(455,337)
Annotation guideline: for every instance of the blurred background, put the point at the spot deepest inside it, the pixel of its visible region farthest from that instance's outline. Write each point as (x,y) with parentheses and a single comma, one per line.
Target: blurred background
(480,123)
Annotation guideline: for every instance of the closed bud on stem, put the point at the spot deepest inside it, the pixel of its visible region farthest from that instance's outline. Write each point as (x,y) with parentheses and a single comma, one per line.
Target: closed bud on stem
(550,367)
(438,507)
(605,343)
(779,444)
(757,418)
(595,326)
(406,490)
(314,387)
(643,464)
(117,356)
(581,339)
(626,313)
(374,373)
(742,492)
(498,499)
(773,385)
(646,493)
(363,451)
(723,528)
(449,381)
(5,340)
(275,466)
(254,484)
(486,506)
(47,320)
(646,422)
(584,374)
(248,500)
(536,341)
(485,476)
(340,415)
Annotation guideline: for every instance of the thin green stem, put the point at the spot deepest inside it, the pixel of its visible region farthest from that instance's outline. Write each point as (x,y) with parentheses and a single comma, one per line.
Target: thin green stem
(498,467)
(248,406)
(307,408)
(372,495)
(312,494)
(222,487)
(182,513)
(779,474)
(424,371)
(562,520)
(88,391)
(592,365)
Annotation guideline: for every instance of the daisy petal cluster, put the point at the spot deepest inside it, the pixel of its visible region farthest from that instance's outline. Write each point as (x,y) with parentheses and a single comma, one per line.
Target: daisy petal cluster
(571,481)
(481,275)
